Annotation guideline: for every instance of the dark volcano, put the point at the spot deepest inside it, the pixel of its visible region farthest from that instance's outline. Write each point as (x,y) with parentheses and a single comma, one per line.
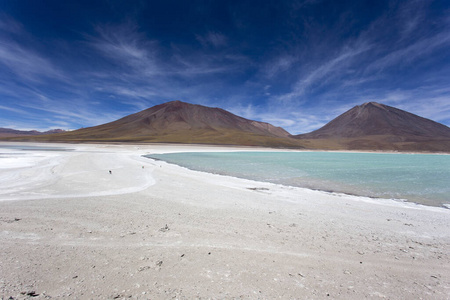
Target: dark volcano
(180,122)
(374,126)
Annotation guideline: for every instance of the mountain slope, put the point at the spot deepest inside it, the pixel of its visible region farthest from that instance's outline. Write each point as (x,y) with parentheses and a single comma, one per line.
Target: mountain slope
(375,126)
(177,116)
(180,122)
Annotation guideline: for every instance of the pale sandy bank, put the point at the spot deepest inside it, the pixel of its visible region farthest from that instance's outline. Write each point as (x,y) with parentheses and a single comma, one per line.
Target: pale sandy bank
(150,230)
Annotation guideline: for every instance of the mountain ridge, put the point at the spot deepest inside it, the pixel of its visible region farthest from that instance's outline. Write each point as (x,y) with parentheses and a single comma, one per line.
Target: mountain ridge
(181,122)
(371,126)
(9,132)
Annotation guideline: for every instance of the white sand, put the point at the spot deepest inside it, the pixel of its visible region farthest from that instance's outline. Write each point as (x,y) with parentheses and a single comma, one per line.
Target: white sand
(70,229)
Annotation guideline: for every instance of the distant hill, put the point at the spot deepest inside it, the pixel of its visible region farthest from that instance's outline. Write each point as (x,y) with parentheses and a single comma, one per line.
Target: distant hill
(7,132)
(375,126)
(180,122)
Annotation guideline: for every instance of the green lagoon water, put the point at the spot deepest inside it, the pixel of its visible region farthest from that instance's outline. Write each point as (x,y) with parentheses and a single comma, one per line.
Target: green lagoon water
(419,178)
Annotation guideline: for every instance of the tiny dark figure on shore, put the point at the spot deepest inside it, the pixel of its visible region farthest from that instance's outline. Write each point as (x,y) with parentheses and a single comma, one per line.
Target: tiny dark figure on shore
(110,172)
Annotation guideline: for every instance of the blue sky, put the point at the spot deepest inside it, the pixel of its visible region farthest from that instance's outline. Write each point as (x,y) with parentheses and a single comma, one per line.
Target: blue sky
(295,64)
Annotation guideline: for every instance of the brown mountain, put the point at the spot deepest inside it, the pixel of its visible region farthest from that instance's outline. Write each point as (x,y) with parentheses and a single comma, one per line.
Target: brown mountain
(7,132)
(370,126)
(180,122)
(374,126)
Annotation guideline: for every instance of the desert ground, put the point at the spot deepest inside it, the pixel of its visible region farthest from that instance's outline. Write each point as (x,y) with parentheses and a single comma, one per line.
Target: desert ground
(70,228)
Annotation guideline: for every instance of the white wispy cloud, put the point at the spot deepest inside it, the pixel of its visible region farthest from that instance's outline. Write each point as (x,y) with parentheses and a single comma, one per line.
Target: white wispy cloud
(149,73)
(73,111)
(294,119)
(331,68)
(436,108)
(324,72)
(9,25)
(12,109)
(142,68)
(279,64)
(28,64)
(19,55)
(126,47)
(204,64)
(139,56)
(411,53)
(212,38)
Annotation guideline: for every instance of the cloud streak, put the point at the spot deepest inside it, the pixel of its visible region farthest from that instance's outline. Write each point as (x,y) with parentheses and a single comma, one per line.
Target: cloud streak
(411,53)
(27,65)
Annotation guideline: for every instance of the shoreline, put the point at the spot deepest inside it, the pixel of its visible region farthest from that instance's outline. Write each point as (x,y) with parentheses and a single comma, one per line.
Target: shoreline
(192,234)
(169,148)
(374,200)
(226,146)
(324,190)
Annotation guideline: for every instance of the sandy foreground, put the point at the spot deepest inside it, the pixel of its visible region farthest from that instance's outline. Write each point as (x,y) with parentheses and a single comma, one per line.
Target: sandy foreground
(150,230)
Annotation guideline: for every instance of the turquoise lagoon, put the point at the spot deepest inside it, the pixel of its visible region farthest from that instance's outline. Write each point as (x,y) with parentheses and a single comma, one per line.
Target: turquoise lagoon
(419,178)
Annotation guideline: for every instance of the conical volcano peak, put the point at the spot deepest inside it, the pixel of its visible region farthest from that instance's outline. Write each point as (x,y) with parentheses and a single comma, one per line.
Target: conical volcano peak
(183,107)
(374,125)
(171,104)
(372,104)
(176,103)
